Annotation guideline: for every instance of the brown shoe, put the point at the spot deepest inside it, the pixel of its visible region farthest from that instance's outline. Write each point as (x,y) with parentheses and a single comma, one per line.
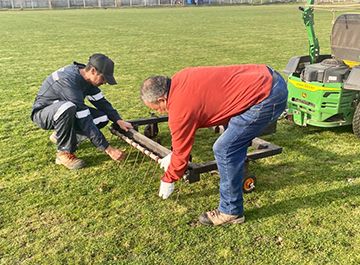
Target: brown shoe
(53,138)
(214,218)
(69,160)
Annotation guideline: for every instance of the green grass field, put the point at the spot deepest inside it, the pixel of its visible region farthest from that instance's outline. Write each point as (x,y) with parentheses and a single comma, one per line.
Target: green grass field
(305,209)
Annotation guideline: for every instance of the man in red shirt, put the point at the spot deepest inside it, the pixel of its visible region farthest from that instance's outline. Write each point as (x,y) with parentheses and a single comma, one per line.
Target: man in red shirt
(246,98)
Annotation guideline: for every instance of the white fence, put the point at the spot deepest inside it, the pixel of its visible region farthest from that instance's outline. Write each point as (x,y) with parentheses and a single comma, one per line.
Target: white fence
(53,4)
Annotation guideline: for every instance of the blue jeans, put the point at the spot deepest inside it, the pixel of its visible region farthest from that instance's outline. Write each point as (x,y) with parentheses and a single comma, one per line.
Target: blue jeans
(230,149)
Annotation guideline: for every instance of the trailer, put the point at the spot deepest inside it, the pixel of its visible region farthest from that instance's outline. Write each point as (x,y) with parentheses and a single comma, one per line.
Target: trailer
(156,151)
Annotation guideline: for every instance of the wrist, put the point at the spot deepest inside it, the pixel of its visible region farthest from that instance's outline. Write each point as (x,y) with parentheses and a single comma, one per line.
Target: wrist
(108,149)
(167,180)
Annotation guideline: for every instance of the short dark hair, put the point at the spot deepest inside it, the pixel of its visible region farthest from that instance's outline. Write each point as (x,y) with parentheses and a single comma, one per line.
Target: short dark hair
(153,88)
(88,67)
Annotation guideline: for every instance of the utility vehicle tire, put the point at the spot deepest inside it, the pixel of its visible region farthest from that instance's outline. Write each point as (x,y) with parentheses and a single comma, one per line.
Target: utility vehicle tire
(248,183)
(356,122)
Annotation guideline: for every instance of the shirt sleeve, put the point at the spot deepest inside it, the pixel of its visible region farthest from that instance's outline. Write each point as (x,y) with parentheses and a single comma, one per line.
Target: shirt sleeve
(96,97)
(73,94)
(183,135)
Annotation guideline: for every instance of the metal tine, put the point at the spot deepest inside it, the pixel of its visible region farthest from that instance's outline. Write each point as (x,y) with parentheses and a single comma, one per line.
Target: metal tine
(128,155)
(178,195)
(142,161)
(137,156)
(153,175)
(120,141)
(119,147)
(147,171)
(118,138)
(122,164)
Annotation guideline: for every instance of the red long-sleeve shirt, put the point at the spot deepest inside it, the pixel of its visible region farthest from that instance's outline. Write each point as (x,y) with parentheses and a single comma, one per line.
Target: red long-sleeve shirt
(201,97)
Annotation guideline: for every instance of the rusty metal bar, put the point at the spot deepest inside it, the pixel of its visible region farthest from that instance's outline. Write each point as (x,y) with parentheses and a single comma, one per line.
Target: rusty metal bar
(153,175)
(147,170)
(137,140)
(127,157)
(134,144)
(137,156)
(142,161)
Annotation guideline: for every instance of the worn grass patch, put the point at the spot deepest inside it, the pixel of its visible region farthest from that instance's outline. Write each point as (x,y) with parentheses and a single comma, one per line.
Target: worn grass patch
(306,205)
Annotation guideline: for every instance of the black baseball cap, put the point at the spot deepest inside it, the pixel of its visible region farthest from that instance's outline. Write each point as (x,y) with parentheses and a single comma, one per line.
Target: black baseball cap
(104,65)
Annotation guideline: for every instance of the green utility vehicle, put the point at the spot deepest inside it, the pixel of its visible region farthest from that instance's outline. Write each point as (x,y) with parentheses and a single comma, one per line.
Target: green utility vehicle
(324,90)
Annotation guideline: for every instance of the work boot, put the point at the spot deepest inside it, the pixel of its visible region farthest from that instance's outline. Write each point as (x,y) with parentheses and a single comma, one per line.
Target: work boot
(53,138)
(214,218)
(69,160)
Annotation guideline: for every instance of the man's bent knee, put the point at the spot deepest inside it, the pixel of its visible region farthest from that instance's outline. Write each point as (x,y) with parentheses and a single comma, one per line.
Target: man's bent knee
(68,109)
(219,146)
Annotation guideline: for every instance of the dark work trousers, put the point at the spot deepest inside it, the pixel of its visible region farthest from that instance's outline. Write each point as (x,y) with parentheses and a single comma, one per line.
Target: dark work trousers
(60,117)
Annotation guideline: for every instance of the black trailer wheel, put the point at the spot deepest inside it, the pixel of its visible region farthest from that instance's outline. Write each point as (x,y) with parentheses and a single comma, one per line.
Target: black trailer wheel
(356,122)
(248,183)
(151,130)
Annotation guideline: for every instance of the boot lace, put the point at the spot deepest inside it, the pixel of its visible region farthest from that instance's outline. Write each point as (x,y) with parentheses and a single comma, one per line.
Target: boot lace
(71,156)
(216,213)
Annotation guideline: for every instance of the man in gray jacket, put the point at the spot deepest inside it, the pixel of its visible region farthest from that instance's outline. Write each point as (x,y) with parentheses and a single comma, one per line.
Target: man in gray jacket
(60,106)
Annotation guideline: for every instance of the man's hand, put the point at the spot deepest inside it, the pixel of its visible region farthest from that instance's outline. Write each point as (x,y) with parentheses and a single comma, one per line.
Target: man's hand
(166,189)
(165,162)
(124,125)
(115,154)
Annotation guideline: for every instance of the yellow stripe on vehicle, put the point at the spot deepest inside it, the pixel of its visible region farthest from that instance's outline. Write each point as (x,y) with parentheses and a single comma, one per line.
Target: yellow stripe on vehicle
(311,87)
(351,63)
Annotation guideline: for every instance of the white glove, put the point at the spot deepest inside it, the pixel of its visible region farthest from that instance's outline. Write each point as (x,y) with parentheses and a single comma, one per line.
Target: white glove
(166,189)
(165,162)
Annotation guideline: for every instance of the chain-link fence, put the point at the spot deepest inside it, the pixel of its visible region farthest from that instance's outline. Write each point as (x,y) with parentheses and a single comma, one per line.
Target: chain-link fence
(53,4)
